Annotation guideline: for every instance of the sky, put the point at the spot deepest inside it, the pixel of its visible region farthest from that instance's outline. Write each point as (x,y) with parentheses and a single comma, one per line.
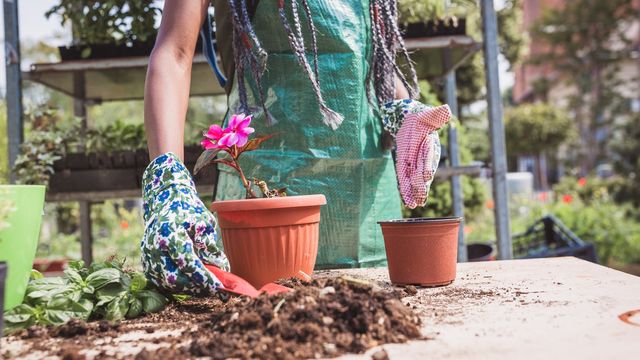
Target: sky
(35,27)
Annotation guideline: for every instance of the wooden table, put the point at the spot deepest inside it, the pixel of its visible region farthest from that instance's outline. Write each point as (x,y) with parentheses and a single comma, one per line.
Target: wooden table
(561,308)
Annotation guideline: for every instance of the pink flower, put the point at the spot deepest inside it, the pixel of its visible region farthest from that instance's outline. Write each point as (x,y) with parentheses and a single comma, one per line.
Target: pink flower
(212,138)
(238,131)
(582,182)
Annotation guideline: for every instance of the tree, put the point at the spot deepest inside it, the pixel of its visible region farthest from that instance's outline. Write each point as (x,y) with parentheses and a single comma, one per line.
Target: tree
(586,42)
(626,150)
(470,75)
(538,130)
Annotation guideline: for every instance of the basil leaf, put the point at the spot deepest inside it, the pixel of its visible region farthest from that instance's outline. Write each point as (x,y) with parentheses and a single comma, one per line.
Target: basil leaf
(79,267)
(109,293)
(20,317)
(45,284)
(71,292)
(19,313)
(138,282)
(103,277)
(55,317)
(73,276)
(135,308)
(117,308)
(152,301)
(40,291)
(35,275)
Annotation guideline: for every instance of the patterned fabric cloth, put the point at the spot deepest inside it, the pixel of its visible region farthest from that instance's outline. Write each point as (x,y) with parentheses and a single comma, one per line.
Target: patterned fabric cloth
(180,232)
(414,126)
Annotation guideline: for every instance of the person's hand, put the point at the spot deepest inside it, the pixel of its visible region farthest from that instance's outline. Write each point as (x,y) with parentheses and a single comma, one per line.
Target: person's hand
(418,152)
(180,232)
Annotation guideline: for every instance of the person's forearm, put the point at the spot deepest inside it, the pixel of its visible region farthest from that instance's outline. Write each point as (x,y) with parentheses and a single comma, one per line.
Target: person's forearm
(166,101)
(166,93)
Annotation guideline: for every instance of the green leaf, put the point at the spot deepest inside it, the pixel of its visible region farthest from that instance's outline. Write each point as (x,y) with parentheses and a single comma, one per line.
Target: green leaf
(63,310)
(19,313)
(40,291)
(138,282)
(73,276)
(152,301)
(85,53)
(48,283)
(20,317)
(117,308)
(180,297)
(109,293)
(76,265)
(135,309)
(103,277)
(205,159)
(35,275)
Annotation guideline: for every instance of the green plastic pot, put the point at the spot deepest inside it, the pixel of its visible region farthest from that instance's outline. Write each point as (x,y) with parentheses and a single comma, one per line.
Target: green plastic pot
(19,241)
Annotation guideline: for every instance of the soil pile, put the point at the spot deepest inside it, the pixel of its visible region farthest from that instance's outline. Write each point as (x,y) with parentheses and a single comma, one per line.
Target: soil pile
(325,318)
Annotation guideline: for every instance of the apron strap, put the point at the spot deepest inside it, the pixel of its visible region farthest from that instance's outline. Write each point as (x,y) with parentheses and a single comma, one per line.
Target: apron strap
(209,49)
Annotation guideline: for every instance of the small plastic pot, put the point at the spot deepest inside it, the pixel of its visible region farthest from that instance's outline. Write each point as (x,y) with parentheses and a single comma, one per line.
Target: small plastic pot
(270,239)
(422,251)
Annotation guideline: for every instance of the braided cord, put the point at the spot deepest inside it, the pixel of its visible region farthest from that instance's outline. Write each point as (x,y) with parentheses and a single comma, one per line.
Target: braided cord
(296,41)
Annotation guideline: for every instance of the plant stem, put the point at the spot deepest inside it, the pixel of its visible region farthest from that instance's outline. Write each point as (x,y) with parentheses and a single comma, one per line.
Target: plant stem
(245,182)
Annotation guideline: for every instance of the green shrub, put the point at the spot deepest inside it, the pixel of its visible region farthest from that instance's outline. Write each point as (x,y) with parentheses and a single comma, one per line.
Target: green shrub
(600,221)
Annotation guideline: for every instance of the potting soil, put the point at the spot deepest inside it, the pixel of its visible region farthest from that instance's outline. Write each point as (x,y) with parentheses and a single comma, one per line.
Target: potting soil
(326,318)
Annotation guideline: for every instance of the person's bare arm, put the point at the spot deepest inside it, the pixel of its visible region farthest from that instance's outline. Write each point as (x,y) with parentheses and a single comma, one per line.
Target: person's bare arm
(401,90)
(166,93)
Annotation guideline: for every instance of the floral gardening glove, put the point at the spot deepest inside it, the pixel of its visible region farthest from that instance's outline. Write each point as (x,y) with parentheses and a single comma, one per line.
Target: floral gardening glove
(414,126)
(180,232)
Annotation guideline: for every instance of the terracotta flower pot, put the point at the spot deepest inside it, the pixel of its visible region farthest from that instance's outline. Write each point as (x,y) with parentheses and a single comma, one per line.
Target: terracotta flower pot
(51,267)
(422,251)
(270,239)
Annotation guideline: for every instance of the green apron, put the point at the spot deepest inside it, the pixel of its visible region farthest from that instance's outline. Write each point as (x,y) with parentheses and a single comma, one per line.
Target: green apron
(347,165)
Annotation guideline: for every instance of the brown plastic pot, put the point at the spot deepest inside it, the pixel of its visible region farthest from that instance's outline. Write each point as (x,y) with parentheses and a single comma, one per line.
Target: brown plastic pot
(270,239)
(422,251)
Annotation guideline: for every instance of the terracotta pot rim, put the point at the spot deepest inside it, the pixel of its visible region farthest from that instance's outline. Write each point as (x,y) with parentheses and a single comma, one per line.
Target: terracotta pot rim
(269,203)
(440,220)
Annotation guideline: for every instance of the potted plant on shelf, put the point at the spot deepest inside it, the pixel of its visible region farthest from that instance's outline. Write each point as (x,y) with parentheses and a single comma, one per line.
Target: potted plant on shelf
(107,29)
(109,158)
(21,208)
(265,238)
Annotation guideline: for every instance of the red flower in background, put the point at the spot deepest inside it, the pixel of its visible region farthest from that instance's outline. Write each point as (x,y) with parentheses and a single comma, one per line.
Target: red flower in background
(124,224)
(567,199)
(489,204)
(582,182)
(543,196)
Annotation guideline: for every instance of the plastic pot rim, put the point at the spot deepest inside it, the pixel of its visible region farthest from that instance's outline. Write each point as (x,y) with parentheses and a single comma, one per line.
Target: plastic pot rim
(408,221)
(269,203)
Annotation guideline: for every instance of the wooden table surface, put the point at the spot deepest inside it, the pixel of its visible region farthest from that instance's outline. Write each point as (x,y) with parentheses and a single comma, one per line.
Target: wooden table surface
(561,308)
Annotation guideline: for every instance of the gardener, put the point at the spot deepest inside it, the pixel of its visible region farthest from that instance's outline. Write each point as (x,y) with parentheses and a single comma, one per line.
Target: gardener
(315,72)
